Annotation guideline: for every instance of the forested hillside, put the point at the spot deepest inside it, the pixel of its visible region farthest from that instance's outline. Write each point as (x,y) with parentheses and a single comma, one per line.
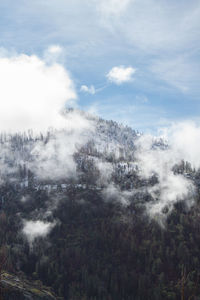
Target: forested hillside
(81,218)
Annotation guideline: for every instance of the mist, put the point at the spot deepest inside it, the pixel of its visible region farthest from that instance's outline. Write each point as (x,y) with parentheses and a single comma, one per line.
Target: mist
(157,156)
(35,229)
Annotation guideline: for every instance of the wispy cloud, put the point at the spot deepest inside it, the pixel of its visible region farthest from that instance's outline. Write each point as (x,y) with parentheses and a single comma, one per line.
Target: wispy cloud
(165,30)
(55,49)
(112,7)
(88,89)
(157,25)
(159,38)
(179,72)
(53,54)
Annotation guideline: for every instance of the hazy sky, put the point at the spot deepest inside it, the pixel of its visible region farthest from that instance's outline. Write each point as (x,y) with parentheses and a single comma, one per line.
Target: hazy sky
(134,61)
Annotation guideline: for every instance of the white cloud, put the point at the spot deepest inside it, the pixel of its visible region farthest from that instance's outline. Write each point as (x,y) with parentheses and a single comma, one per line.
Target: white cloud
(34,229)
(184,138)
(33,94)
(121,74)
(91,90)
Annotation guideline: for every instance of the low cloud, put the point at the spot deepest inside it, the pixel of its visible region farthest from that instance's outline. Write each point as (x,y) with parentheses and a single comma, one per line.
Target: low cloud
(105,171)
(55,159)
(121,74)
(184,138)
(35,229)
(113,193)
(157,158)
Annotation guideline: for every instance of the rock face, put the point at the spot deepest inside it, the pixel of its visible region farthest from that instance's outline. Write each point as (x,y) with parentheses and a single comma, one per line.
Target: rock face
(13,288)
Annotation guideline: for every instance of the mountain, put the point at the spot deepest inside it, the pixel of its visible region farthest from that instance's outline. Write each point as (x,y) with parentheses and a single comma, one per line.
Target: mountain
(67,155)
(79,214)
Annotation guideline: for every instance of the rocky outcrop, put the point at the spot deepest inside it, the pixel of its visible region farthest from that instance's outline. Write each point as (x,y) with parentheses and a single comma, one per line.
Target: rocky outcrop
(15,288)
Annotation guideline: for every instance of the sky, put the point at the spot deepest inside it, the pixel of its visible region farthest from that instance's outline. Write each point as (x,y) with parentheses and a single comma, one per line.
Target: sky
(133,61)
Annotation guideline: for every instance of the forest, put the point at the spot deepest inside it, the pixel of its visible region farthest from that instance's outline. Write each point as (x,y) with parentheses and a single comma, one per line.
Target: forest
(101,246)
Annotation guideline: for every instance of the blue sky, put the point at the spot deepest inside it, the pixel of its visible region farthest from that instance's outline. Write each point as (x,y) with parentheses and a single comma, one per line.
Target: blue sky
(158,39)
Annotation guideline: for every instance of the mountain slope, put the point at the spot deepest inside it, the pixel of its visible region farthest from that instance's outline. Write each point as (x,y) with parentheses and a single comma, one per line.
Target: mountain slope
(76,213)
